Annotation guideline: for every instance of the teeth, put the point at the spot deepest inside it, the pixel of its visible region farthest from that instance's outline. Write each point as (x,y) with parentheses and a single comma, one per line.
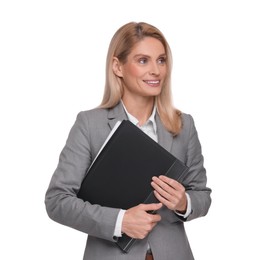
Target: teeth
(152,81)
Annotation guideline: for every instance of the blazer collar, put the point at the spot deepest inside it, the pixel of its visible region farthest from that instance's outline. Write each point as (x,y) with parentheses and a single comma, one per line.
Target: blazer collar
(117,113)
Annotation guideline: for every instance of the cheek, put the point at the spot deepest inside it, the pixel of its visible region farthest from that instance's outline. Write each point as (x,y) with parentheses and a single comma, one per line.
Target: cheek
(134,71)
(164,71)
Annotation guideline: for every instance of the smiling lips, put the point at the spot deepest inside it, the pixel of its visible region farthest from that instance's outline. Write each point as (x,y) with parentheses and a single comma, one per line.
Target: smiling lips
(153,83)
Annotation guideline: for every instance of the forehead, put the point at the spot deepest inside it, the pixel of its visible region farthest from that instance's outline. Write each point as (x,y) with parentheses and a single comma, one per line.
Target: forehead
(148,46)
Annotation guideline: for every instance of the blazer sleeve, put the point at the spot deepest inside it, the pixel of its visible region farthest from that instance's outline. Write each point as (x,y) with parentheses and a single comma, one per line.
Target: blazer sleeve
(61,202)
(196,179)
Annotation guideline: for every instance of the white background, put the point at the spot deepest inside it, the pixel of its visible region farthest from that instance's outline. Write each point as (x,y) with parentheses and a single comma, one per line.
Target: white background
(52,63)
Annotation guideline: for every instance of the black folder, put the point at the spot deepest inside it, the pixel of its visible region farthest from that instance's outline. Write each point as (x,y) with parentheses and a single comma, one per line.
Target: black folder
(120,176)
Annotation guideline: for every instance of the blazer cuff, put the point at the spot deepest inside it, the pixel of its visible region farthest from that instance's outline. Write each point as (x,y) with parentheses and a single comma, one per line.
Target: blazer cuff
(117,230)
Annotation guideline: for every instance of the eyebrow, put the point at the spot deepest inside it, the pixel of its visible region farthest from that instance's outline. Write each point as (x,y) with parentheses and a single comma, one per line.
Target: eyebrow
(148,56)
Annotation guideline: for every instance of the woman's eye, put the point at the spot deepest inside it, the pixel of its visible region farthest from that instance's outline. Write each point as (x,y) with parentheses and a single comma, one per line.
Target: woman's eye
(162,60)
(142,60)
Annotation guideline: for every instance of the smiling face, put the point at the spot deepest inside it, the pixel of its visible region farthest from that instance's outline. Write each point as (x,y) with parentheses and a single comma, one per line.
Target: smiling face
(145,69)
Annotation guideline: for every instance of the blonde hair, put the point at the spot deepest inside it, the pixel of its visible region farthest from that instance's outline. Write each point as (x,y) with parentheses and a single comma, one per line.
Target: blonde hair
(120,46)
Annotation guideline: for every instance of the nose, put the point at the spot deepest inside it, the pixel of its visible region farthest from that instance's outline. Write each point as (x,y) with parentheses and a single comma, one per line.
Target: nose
(154,69)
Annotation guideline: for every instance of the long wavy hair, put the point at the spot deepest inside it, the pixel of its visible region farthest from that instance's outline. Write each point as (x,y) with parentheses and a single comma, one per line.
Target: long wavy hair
(120,47)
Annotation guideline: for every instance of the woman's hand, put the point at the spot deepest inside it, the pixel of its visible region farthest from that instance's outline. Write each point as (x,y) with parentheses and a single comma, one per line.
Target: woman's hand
(170,192)
(137,222)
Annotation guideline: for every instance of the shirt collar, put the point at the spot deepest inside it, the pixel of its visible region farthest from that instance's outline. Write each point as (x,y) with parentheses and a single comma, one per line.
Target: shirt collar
(135,121)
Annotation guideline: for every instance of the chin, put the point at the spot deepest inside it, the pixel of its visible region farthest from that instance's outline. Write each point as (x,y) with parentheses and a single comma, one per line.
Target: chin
(155,92)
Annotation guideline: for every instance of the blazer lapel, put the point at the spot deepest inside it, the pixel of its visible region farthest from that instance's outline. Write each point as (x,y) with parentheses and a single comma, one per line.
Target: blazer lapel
(165,139)
(116,114)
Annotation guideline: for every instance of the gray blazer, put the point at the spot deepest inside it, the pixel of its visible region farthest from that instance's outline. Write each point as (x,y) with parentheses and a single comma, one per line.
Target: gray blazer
(168,239)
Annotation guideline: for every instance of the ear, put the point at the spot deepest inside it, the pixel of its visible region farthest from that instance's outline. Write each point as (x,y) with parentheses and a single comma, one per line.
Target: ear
(117,67)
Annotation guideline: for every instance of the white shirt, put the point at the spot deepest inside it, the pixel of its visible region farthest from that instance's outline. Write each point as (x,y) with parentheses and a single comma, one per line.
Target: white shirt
(150,129)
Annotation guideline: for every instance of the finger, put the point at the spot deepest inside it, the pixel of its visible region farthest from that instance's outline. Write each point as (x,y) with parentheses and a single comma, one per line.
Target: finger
(163,188)
(151,206)
(155,218)
(163,200)
(171,182)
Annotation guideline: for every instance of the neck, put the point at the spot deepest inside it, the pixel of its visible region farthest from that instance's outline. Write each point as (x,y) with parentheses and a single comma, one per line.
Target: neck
(141,110)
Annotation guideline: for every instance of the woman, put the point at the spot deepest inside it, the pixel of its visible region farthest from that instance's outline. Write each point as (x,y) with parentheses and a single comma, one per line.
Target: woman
(138,72)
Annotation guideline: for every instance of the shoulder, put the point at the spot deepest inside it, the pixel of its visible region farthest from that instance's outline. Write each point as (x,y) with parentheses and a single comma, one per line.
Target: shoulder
(93,124)
(93,120)
(189,131)
(186,140)
(93,114)
(188,127)
(187,121)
